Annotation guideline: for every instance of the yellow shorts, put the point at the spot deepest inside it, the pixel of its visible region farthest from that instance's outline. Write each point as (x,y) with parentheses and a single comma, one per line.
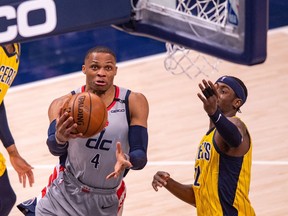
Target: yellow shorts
(2,164)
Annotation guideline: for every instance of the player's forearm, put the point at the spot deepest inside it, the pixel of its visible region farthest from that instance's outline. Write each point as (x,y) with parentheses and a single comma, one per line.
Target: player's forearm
(138,141)
(55,148)
(183,192)
(226,129)
(5,133)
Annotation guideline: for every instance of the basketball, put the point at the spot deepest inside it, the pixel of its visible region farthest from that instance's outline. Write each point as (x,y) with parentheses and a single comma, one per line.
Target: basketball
(88,111)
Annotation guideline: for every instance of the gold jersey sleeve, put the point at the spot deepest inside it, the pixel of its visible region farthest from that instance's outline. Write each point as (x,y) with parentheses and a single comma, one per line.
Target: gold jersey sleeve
(9,63)
(221,182)
(2,164)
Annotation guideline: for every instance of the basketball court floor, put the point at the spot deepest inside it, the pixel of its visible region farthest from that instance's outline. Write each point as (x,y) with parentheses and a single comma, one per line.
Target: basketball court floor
(177,122)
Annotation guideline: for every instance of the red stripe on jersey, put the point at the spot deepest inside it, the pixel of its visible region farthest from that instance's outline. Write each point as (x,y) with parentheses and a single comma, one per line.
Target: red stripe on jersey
(83,88)
(52,177)
(117,92)
(121,194)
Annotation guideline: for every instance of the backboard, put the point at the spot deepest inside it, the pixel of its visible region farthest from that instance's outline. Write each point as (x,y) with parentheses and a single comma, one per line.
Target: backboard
(233,30)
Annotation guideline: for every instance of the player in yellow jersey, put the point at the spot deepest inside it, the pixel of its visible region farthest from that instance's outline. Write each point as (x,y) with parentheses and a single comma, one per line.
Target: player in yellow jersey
(223,161)
(9,63)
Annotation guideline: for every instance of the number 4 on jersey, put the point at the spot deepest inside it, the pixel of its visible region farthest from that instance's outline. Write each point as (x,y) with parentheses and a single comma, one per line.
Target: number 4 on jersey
(96,160)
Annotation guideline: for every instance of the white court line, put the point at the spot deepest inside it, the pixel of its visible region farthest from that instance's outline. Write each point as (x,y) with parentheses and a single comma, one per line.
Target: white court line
(171,163)
(176,163)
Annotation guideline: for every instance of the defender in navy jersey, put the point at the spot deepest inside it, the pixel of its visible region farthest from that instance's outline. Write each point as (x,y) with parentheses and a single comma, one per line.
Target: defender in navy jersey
(223,161)
(94,167)
(9,63)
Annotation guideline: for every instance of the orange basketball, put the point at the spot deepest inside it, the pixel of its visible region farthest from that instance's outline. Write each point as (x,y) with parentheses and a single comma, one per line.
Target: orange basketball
(89,112)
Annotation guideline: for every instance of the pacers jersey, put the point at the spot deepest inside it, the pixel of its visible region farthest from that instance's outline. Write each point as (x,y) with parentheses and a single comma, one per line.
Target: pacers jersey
(221,182)
(2,164)
(92,159)
(9,63)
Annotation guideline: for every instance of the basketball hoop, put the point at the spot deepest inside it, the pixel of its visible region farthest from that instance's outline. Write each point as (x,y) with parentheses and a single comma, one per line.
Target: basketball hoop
(180,60)
(233,30)
(213,14)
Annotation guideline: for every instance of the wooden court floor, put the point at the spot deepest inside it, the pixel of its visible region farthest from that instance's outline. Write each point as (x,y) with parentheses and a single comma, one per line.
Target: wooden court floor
(177,122)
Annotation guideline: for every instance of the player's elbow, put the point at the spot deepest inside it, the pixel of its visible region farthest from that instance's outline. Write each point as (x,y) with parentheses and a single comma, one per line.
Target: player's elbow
(138,158)
(55,152)
(55,148)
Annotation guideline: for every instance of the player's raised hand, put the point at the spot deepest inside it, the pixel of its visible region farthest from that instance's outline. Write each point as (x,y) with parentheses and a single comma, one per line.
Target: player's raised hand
(210,97)
(122,162)
(160,179)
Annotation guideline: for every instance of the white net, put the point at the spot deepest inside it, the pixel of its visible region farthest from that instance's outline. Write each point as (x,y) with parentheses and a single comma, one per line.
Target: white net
(205,20)
(209,10)
(180,60)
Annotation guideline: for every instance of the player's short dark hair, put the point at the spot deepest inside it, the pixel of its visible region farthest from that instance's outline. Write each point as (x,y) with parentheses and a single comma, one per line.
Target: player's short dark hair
(100,49)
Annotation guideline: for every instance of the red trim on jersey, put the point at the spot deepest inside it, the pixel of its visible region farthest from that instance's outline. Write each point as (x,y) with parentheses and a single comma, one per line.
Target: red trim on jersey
(83,88)
(121,194)
(117,92)
(52,177)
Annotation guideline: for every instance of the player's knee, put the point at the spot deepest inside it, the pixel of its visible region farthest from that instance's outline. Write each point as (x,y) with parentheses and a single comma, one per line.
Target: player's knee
(6,203)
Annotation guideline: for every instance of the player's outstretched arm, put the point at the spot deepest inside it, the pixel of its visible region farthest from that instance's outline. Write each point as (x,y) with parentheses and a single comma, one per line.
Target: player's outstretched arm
(183,192)
(122,162)
(23,169)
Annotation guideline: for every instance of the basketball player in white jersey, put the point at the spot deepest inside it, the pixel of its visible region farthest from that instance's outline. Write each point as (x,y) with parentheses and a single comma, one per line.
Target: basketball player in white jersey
(94,167)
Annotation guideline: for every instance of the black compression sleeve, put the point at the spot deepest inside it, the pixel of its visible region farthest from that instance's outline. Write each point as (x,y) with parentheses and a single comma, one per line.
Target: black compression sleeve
(55,148)
(226,129)
(5,133)
(138,141)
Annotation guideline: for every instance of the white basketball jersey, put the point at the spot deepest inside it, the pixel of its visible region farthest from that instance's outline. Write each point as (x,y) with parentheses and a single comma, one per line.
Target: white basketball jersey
(92,159)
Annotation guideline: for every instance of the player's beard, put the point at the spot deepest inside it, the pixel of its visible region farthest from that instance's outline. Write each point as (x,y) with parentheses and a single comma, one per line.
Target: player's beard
(99,92)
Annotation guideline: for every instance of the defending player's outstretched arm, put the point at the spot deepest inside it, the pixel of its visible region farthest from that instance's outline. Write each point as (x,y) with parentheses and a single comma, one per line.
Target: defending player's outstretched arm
(181,191)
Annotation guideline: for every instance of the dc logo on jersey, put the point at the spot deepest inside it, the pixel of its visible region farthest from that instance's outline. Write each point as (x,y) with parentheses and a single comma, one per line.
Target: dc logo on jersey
(117,110)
